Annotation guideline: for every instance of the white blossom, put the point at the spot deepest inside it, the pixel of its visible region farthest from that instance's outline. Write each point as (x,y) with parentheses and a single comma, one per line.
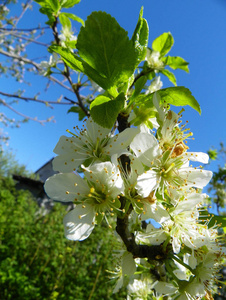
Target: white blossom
(91,145)
(93,196)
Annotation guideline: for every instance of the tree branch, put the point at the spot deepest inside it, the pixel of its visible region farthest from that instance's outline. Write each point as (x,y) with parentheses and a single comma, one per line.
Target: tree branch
(25,116)
(20,29)
(34,99)
(142,251)
(75,87)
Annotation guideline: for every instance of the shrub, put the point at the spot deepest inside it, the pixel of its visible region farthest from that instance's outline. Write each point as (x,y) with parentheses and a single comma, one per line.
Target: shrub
(36,260)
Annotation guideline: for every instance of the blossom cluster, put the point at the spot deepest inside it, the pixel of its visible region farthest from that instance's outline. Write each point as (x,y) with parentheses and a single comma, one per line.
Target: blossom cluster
(151,173)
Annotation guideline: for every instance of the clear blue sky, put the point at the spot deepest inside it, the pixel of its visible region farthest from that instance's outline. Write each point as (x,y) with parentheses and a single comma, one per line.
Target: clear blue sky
(199,31)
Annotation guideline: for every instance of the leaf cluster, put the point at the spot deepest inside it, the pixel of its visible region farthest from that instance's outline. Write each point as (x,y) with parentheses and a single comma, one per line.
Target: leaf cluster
(119,65)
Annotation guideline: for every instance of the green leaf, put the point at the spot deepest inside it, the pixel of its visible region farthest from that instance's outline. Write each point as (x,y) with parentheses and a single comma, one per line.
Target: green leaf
(106,48)
(170,76)
(74,17)
(54,4)
(179,96)
(139,85)
(77,109)
(65,22)
(72,60)
(140,37)
(163,43)
(104,111)
(48,12)
(69,3)
(176,62)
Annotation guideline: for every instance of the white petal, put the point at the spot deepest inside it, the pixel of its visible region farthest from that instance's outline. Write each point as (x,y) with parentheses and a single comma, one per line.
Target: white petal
(197,156)
(180,275)
(95,131)
(106,174)
(145,142)
(146,183)
(68,162)
(69,155)
(65,144)
(176,244)
(195,177)
(165,288)
(64,187)
(79,223)
(155,211)
(119,144)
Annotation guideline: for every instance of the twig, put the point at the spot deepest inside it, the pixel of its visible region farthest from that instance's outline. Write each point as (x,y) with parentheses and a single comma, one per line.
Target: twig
(20,29)
(36,65)
(29,40)
(36,100)
(24,116)
(23,12)
(67,72)
(25,60)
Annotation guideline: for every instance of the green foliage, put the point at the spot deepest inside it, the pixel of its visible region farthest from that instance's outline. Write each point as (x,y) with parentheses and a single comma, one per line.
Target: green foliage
(38,262)
(104,111)
(69,3)
(107,57)
(73,17)
(52,9)
(140,37)
(112,54)
(163,43)
(179,96)
(170,76)
(176,62)
(79,111)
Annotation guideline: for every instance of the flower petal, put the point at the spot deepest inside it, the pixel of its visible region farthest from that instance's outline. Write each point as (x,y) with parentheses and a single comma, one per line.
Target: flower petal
(197,156)
(146,183)
(118,144)
(64,187)
(145,142)
(79,223)
(195,177)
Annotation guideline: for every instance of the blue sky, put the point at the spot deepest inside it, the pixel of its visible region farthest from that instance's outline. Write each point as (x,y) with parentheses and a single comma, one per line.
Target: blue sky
(198,28)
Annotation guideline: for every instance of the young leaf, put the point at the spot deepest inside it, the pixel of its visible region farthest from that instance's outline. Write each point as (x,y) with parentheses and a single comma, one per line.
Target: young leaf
(65,22)
(79,65)
(106,48)
(163,43)
(74,17)
(170,76)
(77,109)
(72,60)
(179,96)
(54,4)
(176,62)
(139,85)
(48,12)
(104,111)
(140,37)
(69,3)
